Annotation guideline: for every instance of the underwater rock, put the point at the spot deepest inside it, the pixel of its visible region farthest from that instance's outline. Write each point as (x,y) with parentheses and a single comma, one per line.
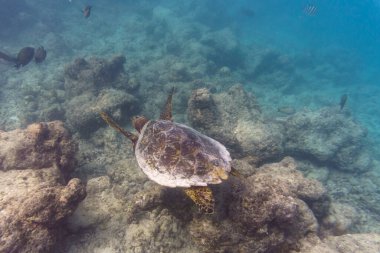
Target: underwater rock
(270,212)
(102,217)
(40,145)
(34,197)
(179,73)
(34,204)
(350,243)
(223,48)
(96,85)
(95,209)
(234,119)
(272,62)
(329,137)
(82,112)
(125,222)
(265,212)
(355,203)
(152,228)
(144,237)
(52,112)
(224,71)
(90,75)
(270,69)
(340,219)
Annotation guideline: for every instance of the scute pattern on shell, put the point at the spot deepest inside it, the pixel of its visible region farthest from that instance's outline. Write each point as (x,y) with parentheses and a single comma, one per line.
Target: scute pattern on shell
(176,155)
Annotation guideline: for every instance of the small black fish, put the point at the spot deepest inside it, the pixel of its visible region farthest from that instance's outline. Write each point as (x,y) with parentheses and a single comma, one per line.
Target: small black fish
(343,100)
(87,11)
(40,54)
(310,10)
(25,55)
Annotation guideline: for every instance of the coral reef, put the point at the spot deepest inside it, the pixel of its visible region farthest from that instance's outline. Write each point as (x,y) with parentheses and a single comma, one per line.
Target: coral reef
(234,118)
(96,85)
(355,201)
(82,112)
(123,212)
(36,194)
(223,48)
(271,70)
(272,211)
(350,243)
(91,75)
(340,219)
(272,62)
(94,211)
(328,136)
(154,228)
(40,145)
(182,44)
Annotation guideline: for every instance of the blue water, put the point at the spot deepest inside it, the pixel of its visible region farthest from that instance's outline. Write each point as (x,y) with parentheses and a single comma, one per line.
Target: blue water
(345,34)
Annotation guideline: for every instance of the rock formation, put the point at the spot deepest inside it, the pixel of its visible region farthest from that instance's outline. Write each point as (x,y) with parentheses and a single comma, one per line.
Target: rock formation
(271,211)
(95,85)
(36,194)
(327,136)
(350,243)
(273,208)
(234,118)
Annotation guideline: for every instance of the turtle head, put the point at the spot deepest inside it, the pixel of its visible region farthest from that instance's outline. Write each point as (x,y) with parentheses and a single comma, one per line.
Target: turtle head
(139,122)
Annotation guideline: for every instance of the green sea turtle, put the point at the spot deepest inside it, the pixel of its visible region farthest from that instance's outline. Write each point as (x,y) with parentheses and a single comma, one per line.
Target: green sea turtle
(175,155)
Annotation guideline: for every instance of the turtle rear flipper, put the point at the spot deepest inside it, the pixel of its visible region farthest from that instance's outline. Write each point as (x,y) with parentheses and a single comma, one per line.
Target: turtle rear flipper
(166,114)
(202,197)
(113,124)
(236,173)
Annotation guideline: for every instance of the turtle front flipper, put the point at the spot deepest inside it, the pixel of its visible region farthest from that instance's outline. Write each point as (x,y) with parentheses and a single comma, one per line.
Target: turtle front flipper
(113,124)
(202,197)
(166,114)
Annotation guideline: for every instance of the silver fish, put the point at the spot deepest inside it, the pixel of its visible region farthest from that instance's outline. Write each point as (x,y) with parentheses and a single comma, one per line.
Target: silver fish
(310,10)
(343,100)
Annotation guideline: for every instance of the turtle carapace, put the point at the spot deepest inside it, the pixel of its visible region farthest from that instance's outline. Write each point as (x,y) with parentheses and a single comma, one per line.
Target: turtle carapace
(175,155)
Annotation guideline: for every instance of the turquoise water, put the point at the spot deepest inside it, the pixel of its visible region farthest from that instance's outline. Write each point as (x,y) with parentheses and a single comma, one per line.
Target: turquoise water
(343,34)
(293,56)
